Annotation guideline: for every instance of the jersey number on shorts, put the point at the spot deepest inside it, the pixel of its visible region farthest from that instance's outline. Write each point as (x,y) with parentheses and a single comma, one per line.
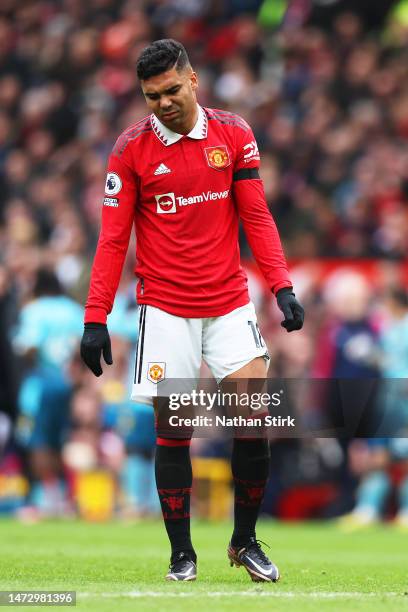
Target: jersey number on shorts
(256,334)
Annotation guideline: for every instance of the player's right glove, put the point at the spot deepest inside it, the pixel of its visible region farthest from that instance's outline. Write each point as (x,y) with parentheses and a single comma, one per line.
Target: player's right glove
(292,310)
(94,341)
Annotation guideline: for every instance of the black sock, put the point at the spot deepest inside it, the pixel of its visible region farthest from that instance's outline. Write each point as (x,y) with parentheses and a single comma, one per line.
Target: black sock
(174,479)
(250,470)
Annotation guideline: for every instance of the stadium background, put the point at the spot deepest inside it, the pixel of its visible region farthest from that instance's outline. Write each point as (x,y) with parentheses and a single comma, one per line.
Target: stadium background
(324,84)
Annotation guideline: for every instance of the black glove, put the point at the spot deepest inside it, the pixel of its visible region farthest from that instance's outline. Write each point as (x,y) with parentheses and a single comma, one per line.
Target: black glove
(292,310)
(96,339)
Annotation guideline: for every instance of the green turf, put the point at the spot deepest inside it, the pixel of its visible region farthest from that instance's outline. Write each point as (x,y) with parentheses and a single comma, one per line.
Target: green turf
(120,566)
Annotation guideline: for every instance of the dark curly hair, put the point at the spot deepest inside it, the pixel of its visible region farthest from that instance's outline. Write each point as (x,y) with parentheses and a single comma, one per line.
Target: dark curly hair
(160,56)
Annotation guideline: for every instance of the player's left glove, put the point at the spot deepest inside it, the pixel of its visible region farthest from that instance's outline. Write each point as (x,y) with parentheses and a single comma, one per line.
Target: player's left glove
(292,310)
(95,341)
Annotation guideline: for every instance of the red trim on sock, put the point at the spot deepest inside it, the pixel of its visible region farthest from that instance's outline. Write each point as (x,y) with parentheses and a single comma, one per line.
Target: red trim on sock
(175,517)
(182,491)
(172,442)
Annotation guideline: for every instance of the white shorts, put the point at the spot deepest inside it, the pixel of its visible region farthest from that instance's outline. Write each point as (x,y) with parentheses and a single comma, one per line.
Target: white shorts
(171,347)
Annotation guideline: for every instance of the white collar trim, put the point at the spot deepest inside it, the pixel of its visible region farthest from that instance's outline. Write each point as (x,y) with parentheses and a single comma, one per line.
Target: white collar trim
(167,137)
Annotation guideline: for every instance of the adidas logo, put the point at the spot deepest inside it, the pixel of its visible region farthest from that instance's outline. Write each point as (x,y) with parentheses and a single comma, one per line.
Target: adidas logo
(162,169)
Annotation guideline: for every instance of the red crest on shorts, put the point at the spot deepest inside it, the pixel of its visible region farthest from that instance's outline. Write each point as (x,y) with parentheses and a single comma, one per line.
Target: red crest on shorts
(217,157)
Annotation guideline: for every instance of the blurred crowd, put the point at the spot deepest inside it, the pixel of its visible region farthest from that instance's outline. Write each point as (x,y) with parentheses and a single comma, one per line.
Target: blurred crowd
(329,108)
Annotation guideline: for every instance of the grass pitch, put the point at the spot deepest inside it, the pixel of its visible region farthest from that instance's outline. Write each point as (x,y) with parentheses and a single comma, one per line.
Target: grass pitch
(119,566)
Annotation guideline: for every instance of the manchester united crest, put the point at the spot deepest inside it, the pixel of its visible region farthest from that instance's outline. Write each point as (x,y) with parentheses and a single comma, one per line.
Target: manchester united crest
(218,157)
(156,371)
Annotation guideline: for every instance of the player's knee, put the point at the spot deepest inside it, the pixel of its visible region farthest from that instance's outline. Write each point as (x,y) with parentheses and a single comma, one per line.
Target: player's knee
(166,429)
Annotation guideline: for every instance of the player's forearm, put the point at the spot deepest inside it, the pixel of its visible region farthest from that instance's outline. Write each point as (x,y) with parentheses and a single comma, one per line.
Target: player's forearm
(106,272)
(262,233)
(269,255)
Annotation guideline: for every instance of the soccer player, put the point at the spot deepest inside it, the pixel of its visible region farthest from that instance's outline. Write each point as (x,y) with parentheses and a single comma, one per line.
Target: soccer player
(184,176)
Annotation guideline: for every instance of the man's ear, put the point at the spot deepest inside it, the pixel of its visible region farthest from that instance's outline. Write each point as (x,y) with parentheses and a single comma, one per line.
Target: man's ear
(194,81)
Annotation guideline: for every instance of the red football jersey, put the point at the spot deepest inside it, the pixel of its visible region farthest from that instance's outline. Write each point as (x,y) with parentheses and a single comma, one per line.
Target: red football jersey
(185,195)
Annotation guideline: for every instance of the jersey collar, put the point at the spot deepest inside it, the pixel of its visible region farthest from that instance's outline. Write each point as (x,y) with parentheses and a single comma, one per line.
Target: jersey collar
(167,137)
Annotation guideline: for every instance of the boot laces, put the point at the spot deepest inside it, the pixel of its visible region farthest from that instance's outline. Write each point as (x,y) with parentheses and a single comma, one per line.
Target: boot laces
(177,558)
(255,546)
